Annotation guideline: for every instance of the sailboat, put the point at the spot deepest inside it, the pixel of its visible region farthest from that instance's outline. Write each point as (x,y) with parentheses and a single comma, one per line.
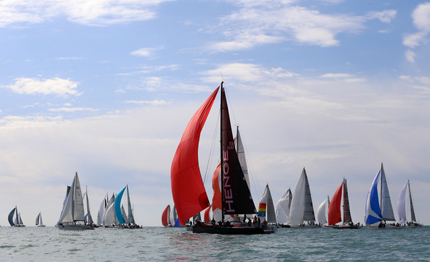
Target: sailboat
(17,222)
(322,212)
(188,190)
(334,209)
(283,209)
(130,223)
(401,208)
(165,217)
(302,211)
(109,217)
(378,209)
(39,221)
(266,208)
(72,215)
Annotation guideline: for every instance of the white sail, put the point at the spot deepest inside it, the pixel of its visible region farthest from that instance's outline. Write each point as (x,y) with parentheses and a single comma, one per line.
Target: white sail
(110,217)
(124,215)
(386,208)
(297,209)
(283,208)
(20,219)
(101,212)
(401,205)
(105,216)
(78,212)
(67,214)
(322,212)
(173,216)
(241,155)
(130,211)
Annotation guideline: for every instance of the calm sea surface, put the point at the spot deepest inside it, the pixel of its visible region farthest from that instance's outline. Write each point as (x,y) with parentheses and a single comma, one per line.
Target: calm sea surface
(163,244)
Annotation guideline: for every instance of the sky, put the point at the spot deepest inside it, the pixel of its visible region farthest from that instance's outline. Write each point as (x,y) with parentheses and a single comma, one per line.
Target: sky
(106,88)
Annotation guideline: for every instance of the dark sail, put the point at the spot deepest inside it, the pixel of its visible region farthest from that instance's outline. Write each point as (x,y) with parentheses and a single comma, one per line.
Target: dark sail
(10,217)
(236,196)
(346,211)
(412,206)
(309,209)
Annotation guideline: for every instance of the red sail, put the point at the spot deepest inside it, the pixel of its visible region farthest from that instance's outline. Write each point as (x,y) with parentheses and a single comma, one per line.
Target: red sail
(188,191)
(216,199)
(334,215)
(206,214)
(165,216)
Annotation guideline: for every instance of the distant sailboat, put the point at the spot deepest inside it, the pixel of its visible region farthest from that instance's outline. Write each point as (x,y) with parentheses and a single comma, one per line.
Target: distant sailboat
(109,217)
(72,215)
(322,212)
(17,221)
(302,211)
(334,210)
(283,208)
(376,213)
(266,208)
(130,223)
(102,210)
(39,221)
(165,217)
(401,208)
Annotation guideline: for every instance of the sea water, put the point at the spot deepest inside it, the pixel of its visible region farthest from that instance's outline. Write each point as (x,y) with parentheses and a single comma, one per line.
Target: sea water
(165,244)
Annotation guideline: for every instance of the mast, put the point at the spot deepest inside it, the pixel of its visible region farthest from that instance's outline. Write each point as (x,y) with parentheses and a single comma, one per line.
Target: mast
(412,205)
(221,154)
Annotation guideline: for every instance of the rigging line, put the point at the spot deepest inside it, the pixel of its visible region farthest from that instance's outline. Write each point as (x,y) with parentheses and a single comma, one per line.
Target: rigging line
(212,148)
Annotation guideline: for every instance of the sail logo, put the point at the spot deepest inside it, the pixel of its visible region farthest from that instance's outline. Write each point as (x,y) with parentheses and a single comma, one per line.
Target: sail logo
(228,193)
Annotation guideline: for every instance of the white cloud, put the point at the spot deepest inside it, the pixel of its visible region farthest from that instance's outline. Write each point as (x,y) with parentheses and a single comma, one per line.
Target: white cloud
(421,20)
(336,75)
(72,109)
(153,102)
(410,56)
(146,52)
(245,73)
(264,22)
(100,12)
(55,86)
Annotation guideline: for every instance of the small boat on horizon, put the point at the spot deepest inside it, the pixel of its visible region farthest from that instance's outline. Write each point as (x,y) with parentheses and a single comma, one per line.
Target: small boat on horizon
(39,222)
(401,208)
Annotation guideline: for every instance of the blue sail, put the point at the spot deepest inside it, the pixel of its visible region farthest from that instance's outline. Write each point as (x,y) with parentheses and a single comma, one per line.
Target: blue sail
(10,217)
(373,211)
(117,206)
(177,223)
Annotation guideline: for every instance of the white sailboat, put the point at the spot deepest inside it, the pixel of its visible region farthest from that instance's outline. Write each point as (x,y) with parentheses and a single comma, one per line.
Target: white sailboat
(72,215)
(302,211)
(283,209)
(39,221)
(322,212)
(378,209)
(266,208)
(401,208)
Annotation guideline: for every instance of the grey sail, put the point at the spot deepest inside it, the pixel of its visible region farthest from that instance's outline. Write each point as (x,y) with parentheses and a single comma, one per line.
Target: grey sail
(78,202)
(346,210)
(89,218)
(413,219)
(130,211)
(241,155)
(309,214)
(385,201)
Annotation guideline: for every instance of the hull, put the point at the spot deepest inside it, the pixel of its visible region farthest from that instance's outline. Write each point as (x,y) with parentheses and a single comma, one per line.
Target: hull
(232,230)
(385,226)
(18,225)
(414,225)
(348,227)
(75,227)
(41,226)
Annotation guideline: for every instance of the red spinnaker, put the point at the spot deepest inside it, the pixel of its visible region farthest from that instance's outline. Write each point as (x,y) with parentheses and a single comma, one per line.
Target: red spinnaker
(334,215)
(188,190)
(164,216)
(206,216)
(217,198)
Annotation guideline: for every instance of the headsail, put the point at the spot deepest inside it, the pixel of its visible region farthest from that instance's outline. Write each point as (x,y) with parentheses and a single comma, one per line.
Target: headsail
(372,209)
(401,205)
(334,214)
(188,190)
(165,216)
(322,212)
(283,208)
(10,217)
